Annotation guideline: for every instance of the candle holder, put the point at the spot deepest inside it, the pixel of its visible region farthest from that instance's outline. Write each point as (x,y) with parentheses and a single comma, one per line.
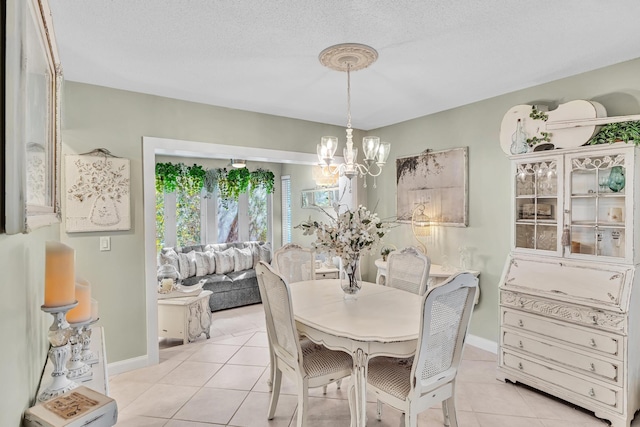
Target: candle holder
(58,336)
(88,356)
(77,368)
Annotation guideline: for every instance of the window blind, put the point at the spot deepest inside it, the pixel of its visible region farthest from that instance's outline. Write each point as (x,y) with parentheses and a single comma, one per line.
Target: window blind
(286,209)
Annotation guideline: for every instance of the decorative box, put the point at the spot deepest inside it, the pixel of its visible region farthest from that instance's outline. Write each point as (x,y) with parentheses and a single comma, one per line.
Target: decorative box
(80,407)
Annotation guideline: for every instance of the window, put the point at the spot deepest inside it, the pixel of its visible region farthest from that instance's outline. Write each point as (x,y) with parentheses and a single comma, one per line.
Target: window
(184,219)
(286,209)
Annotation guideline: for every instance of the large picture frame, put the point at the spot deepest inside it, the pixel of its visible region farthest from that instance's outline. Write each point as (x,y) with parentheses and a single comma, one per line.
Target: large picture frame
(32,100)
(439,181)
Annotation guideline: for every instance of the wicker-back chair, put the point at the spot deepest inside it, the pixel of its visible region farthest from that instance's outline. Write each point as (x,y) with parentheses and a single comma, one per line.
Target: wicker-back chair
(307,364)
(413,385)
(408,270)
(294,263)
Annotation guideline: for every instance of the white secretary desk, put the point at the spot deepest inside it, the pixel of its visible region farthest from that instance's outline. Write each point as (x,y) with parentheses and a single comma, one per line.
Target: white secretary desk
(569,303)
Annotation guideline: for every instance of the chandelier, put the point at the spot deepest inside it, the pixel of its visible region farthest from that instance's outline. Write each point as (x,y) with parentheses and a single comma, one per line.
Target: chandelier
(349,57)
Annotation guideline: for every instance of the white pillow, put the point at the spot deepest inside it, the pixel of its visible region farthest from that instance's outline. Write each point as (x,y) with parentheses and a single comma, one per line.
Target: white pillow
(169,256)
(211,256)
(202,264)
(187,265)
(224,261)
(265,253)
(243,259)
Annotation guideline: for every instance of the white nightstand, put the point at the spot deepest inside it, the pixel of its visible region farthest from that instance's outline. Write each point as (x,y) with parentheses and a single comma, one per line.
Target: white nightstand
(327,273)
(185,318)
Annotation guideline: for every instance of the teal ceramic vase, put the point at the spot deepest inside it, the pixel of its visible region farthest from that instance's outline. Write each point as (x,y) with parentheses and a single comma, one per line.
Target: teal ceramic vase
(616,178)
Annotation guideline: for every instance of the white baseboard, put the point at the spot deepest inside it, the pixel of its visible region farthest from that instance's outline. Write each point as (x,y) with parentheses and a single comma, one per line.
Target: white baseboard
(127,365)
(482,343)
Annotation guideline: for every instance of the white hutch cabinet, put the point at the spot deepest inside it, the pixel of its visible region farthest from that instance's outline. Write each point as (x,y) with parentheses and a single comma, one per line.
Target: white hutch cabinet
(569,303)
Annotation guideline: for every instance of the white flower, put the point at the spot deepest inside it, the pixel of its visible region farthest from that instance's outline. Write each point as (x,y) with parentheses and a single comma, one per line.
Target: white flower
(351,235)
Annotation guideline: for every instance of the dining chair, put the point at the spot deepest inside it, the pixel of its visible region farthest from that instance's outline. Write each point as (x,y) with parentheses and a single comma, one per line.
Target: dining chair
(408,270)
(415,384)
(307,364)
(294,263)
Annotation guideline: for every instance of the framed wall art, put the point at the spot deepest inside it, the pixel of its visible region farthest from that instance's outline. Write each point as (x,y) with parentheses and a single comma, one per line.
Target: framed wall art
(437,180)
(33,79)
(97,192)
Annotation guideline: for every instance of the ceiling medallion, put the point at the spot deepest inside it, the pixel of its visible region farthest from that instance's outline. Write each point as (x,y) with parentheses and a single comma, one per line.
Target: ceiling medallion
(352,56)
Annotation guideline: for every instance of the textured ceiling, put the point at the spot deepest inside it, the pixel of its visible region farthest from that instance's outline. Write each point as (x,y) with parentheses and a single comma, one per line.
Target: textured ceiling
(262,56)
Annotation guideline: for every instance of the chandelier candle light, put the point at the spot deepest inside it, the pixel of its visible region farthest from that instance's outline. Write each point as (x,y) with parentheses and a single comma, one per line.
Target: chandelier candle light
(349,57)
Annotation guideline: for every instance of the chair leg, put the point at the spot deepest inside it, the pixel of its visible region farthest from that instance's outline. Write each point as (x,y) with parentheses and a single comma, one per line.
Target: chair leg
(303,399)
(275,393)
(378,410)
(410,419)
(449,412)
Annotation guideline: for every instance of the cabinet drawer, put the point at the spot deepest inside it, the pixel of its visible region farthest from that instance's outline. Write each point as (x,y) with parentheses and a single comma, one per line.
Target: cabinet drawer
(546,372)
(584,338)
(585,364)
(331,275)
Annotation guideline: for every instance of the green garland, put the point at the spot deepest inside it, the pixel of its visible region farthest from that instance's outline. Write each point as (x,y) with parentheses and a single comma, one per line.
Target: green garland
(230,184)
(612,132)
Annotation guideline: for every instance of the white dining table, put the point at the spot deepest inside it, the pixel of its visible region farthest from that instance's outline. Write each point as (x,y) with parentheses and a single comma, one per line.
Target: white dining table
(382,321)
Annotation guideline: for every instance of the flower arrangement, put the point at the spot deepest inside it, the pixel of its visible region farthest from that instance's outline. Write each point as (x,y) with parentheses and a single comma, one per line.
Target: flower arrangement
(350,235)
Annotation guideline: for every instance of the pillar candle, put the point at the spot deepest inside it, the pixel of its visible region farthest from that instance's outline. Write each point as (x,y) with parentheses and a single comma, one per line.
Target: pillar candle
(81,312)
(94,309)
(59,274)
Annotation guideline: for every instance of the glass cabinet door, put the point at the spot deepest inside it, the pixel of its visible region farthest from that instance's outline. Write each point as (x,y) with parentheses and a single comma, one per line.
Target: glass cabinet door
(536,205)
(597,190)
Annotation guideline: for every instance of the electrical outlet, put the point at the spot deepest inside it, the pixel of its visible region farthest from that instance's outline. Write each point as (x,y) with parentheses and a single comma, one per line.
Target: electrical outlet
(105,243)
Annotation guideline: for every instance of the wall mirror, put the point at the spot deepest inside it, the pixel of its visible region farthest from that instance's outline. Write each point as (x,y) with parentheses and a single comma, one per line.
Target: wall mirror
(33,80)
(320,197)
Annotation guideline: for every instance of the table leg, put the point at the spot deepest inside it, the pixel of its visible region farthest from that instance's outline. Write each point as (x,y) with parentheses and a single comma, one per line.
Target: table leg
(358,388)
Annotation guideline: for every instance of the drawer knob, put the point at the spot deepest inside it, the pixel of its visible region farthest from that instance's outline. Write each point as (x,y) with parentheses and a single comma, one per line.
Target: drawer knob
(521,303)
(520,322)
(520,344)
(594,319)
(592,392)
(520,365)
(593,343)
(592,367)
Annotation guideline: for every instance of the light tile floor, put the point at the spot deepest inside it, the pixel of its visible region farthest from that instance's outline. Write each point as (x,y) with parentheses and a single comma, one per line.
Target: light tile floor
(222,382)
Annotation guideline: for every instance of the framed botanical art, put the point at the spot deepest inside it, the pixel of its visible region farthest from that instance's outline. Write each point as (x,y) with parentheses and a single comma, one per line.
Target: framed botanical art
(97,189)
(32,100)
(437,180)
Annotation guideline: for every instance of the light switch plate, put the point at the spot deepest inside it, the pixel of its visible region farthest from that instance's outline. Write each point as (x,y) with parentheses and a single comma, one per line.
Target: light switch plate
(105,243)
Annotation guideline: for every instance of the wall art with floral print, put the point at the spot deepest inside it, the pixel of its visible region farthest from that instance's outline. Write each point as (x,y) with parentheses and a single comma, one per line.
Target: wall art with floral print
(97,193)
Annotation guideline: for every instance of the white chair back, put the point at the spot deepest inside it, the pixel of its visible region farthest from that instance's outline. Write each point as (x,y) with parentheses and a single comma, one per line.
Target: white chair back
(281,329)
(445,319)
(408,270)
(294,263)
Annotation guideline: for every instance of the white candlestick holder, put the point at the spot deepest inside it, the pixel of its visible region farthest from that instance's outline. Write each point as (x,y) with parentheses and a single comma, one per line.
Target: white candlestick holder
(88,356)
(58,336)
(77,368)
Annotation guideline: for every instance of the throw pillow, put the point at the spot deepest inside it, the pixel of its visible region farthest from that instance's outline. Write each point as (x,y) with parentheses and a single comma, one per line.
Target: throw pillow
(242,259)
(187,264)
(169,256)
(265,253)
(224,261)
(202,264)
(211,256)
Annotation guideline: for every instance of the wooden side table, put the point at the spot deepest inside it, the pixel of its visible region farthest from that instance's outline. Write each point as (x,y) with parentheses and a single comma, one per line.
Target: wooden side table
(185,317)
